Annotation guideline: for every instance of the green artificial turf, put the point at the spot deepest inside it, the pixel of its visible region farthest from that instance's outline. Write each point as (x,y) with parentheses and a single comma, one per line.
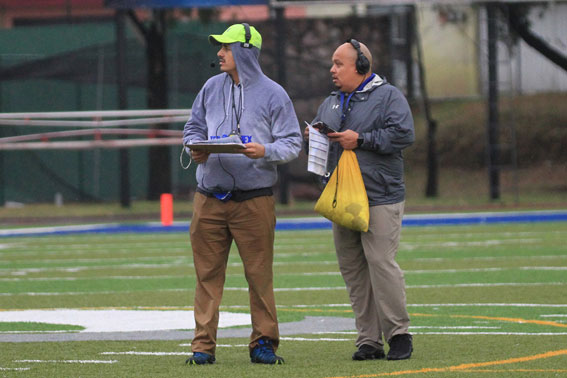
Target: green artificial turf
(492,297)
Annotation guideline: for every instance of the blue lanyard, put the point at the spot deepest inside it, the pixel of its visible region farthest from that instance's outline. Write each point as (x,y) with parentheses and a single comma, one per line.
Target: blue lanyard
(345,108)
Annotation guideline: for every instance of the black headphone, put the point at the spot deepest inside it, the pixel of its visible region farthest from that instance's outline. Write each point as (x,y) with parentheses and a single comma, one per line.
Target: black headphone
(247,36)
(362,63)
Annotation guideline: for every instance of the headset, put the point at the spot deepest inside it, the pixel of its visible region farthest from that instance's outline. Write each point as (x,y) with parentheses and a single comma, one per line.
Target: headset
(247,37)
(362,63)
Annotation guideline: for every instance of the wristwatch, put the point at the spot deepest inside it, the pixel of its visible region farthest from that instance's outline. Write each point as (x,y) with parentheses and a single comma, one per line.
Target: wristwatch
(360,140)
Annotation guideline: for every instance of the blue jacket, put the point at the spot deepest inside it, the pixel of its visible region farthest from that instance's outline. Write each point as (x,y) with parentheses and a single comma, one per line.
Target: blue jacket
(380,113)
(266,116)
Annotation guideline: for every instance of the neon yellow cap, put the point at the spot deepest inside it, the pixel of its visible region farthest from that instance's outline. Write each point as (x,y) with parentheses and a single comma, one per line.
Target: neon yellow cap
(237,33)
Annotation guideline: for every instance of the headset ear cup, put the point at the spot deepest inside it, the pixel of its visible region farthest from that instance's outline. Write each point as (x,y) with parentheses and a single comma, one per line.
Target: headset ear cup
(362,64)
(359,67)
(247,36)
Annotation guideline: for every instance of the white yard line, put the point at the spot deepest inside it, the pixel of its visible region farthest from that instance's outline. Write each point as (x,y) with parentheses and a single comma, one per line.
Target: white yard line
(326,305)
(35,332)
(167,264)
(490,258)
(114,250)
(136,353)
(494,333)
(309,274)
(289,289)
(336,333)
(454,244)
(330,288)
(472,270)
(485,233)
(69,361)
(496,284)
(322,262)
(32,279)
(436,305)
(310,339)
(48,294)
(74,269)
(452,327)
(221,345)
(419,333)
(112,259)
(316,305)
(485,305)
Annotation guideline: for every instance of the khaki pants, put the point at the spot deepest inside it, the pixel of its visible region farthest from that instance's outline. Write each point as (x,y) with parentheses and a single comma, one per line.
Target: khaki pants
(214,225)
(373,278)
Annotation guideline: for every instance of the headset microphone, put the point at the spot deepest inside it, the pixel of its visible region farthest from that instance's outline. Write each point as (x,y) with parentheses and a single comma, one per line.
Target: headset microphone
(213,64)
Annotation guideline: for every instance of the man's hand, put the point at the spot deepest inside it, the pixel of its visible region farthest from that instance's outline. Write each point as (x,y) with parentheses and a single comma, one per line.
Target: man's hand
(347,139)
(199,156)
(306,134)
(254,150)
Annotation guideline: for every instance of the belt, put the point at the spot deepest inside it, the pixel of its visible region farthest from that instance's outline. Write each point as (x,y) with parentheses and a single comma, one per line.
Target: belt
(238,195)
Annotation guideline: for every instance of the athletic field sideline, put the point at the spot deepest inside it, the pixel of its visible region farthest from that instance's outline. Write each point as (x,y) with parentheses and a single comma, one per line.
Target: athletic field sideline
(486,298)
(312,223)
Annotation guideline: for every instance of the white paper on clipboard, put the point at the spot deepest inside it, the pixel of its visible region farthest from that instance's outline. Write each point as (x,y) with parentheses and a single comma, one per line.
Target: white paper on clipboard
(318,152)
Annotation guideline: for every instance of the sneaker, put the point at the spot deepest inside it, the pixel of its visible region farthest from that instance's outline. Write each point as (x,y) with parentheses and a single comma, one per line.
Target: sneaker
(400,347)
(368,352)
(263,353)
(199,358)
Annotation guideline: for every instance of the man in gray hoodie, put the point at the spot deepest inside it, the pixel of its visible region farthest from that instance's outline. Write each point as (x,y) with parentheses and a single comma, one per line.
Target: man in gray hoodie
(374,119)
(234,198)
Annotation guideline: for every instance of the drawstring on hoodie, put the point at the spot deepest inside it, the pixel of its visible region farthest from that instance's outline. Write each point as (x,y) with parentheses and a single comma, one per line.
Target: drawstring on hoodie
(237,115)
(230,95)
(242,96)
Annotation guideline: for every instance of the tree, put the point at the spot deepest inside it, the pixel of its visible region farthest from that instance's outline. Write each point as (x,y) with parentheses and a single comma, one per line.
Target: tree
(517,16)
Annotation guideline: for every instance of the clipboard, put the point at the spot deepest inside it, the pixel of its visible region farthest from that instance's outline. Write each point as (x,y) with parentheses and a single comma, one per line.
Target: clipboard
(217,148)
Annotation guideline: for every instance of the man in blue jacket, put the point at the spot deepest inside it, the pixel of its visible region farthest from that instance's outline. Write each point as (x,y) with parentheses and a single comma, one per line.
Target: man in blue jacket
(373,118)
(234,198)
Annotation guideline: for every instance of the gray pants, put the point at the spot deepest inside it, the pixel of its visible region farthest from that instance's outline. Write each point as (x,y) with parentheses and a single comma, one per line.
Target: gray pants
(374,280)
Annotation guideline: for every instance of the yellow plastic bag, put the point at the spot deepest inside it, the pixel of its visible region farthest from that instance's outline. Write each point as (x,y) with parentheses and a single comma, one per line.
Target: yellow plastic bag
(344,200)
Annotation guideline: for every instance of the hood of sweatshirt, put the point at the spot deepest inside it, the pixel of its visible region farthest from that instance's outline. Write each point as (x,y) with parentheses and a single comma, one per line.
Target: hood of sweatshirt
(247,63)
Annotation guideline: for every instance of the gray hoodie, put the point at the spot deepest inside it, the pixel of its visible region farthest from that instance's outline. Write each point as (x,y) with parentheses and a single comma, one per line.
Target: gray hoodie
(380,114)
(266,116)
